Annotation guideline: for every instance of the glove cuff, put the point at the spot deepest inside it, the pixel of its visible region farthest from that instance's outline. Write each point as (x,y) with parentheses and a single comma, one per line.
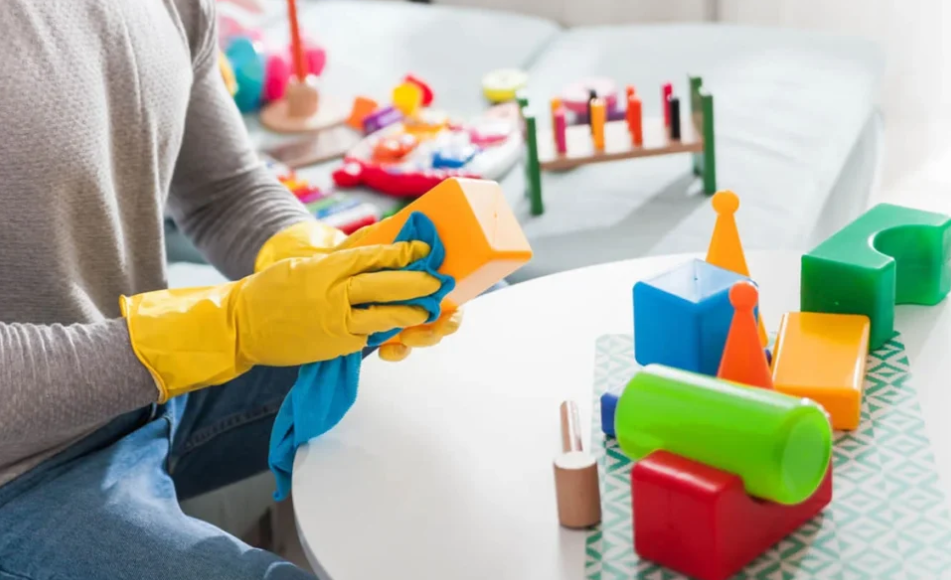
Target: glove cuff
(301,240)
(187,338)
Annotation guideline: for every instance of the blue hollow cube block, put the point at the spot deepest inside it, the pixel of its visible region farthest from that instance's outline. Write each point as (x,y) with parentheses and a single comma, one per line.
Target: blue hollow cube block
(682,317)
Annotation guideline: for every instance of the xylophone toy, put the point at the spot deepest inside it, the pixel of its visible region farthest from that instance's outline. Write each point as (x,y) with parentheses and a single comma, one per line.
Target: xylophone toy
(609,133)
(733,448)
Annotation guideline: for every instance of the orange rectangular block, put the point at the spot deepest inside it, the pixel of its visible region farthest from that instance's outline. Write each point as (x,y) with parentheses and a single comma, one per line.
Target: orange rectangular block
(822,357)
(483,239)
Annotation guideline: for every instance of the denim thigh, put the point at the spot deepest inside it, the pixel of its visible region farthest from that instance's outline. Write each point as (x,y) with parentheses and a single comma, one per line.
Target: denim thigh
(107,508)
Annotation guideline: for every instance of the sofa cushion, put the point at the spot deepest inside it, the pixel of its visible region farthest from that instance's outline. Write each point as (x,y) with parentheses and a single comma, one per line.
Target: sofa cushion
(789,107)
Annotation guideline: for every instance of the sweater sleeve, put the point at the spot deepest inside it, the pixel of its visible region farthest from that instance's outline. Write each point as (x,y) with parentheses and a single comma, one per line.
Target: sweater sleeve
(37,361)
(223,197)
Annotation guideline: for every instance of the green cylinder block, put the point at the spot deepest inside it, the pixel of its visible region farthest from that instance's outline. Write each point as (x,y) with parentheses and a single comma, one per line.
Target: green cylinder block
(780,446)
(890,255)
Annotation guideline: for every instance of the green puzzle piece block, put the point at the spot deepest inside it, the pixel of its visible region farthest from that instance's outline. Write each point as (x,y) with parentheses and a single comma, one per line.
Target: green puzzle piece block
(890,255)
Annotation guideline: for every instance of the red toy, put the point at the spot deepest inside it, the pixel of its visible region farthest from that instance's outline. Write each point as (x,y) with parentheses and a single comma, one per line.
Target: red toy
(699,521)
(392,180)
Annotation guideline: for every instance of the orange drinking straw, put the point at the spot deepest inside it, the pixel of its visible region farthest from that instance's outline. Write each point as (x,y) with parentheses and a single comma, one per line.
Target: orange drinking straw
(296,48)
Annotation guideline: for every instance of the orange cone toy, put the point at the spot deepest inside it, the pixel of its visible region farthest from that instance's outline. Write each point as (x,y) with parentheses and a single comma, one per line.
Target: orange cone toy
(725,249)
(744,360)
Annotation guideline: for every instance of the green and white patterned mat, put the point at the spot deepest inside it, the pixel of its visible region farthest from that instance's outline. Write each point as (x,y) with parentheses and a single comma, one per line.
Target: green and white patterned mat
(888,518)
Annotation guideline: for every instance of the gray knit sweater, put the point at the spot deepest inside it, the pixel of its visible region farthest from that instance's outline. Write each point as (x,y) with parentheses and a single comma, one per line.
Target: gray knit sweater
(109,110)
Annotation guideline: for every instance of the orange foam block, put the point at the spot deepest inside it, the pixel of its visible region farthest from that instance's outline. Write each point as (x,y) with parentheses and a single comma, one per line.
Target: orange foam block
(822,357)
(484,241)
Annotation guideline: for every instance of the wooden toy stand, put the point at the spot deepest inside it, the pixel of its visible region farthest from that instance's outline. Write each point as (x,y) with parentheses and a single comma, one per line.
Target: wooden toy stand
(303,109)
(599,141)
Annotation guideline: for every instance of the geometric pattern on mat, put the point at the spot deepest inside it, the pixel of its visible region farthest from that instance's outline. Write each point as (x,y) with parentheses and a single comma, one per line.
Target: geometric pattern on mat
(888,518)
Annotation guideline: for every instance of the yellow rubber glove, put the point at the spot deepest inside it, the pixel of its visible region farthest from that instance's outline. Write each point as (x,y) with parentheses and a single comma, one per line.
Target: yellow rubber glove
(297,311)
(312,238)
(422,336)
(302,240)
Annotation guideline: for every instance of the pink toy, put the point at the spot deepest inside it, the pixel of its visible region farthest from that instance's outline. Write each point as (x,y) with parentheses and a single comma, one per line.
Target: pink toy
(278,71)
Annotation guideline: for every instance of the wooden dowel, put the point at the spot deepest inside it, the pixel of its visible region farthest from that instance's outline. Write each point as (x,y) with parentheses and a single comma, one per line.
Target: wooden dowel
(570,428)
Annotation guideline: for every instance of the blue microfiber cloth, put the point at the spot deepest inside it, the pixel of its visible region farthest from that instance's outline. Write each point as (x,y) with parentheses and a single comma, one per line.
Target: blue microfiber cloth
(326,390)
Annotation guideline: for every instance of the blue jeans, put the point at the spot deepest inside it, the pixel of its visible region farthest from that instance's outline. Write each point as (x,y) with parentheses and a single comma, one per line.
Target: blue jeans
(108,506)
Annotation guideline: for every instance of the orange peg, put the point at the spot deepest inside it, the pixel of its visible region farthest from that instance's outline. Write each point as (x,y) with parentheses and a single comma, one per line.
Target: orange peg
(555,105)
(634,120)
(297,47)
(744,360)
(725,249)
(598,117)
(630,91)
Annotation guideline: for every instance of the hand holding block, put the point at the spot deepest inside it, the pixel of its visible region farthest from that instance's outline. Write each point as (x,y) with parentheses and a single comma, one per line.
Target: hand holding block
(483,240)
(890,255)
(698,521)
(779,445)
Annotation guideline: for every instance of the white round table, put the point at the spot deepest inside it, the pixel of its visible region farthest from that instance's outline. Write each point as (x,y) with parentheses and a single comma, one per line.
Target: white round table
(443,468)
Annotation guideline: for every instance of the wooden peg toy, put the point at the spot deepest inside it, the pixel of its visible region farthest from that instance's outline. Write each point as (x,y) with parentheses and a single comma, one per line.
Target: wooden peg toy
(725,249)
(301,109)
(577,488)
(667,91)
(627,134)
(598,114)
(673,106)
(744,360)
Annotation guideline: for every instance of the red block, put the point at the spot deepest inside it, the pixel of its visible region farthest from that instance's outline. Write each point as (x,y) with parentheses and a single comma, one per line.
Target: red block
(699,521)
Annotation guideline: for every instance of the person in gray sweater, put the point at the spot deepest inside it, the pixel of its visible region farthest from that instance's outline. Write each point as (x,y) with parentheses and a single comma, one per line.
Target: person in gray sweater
(119,398)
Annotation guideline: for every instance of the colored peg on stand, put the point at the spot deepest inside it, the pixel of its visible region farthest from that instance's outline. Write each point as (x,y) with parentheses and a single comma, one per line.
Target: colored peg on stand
(598,114)
(555,105)
(668,91)
(634,120)
(592,95)
(560,131)
(673,107)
